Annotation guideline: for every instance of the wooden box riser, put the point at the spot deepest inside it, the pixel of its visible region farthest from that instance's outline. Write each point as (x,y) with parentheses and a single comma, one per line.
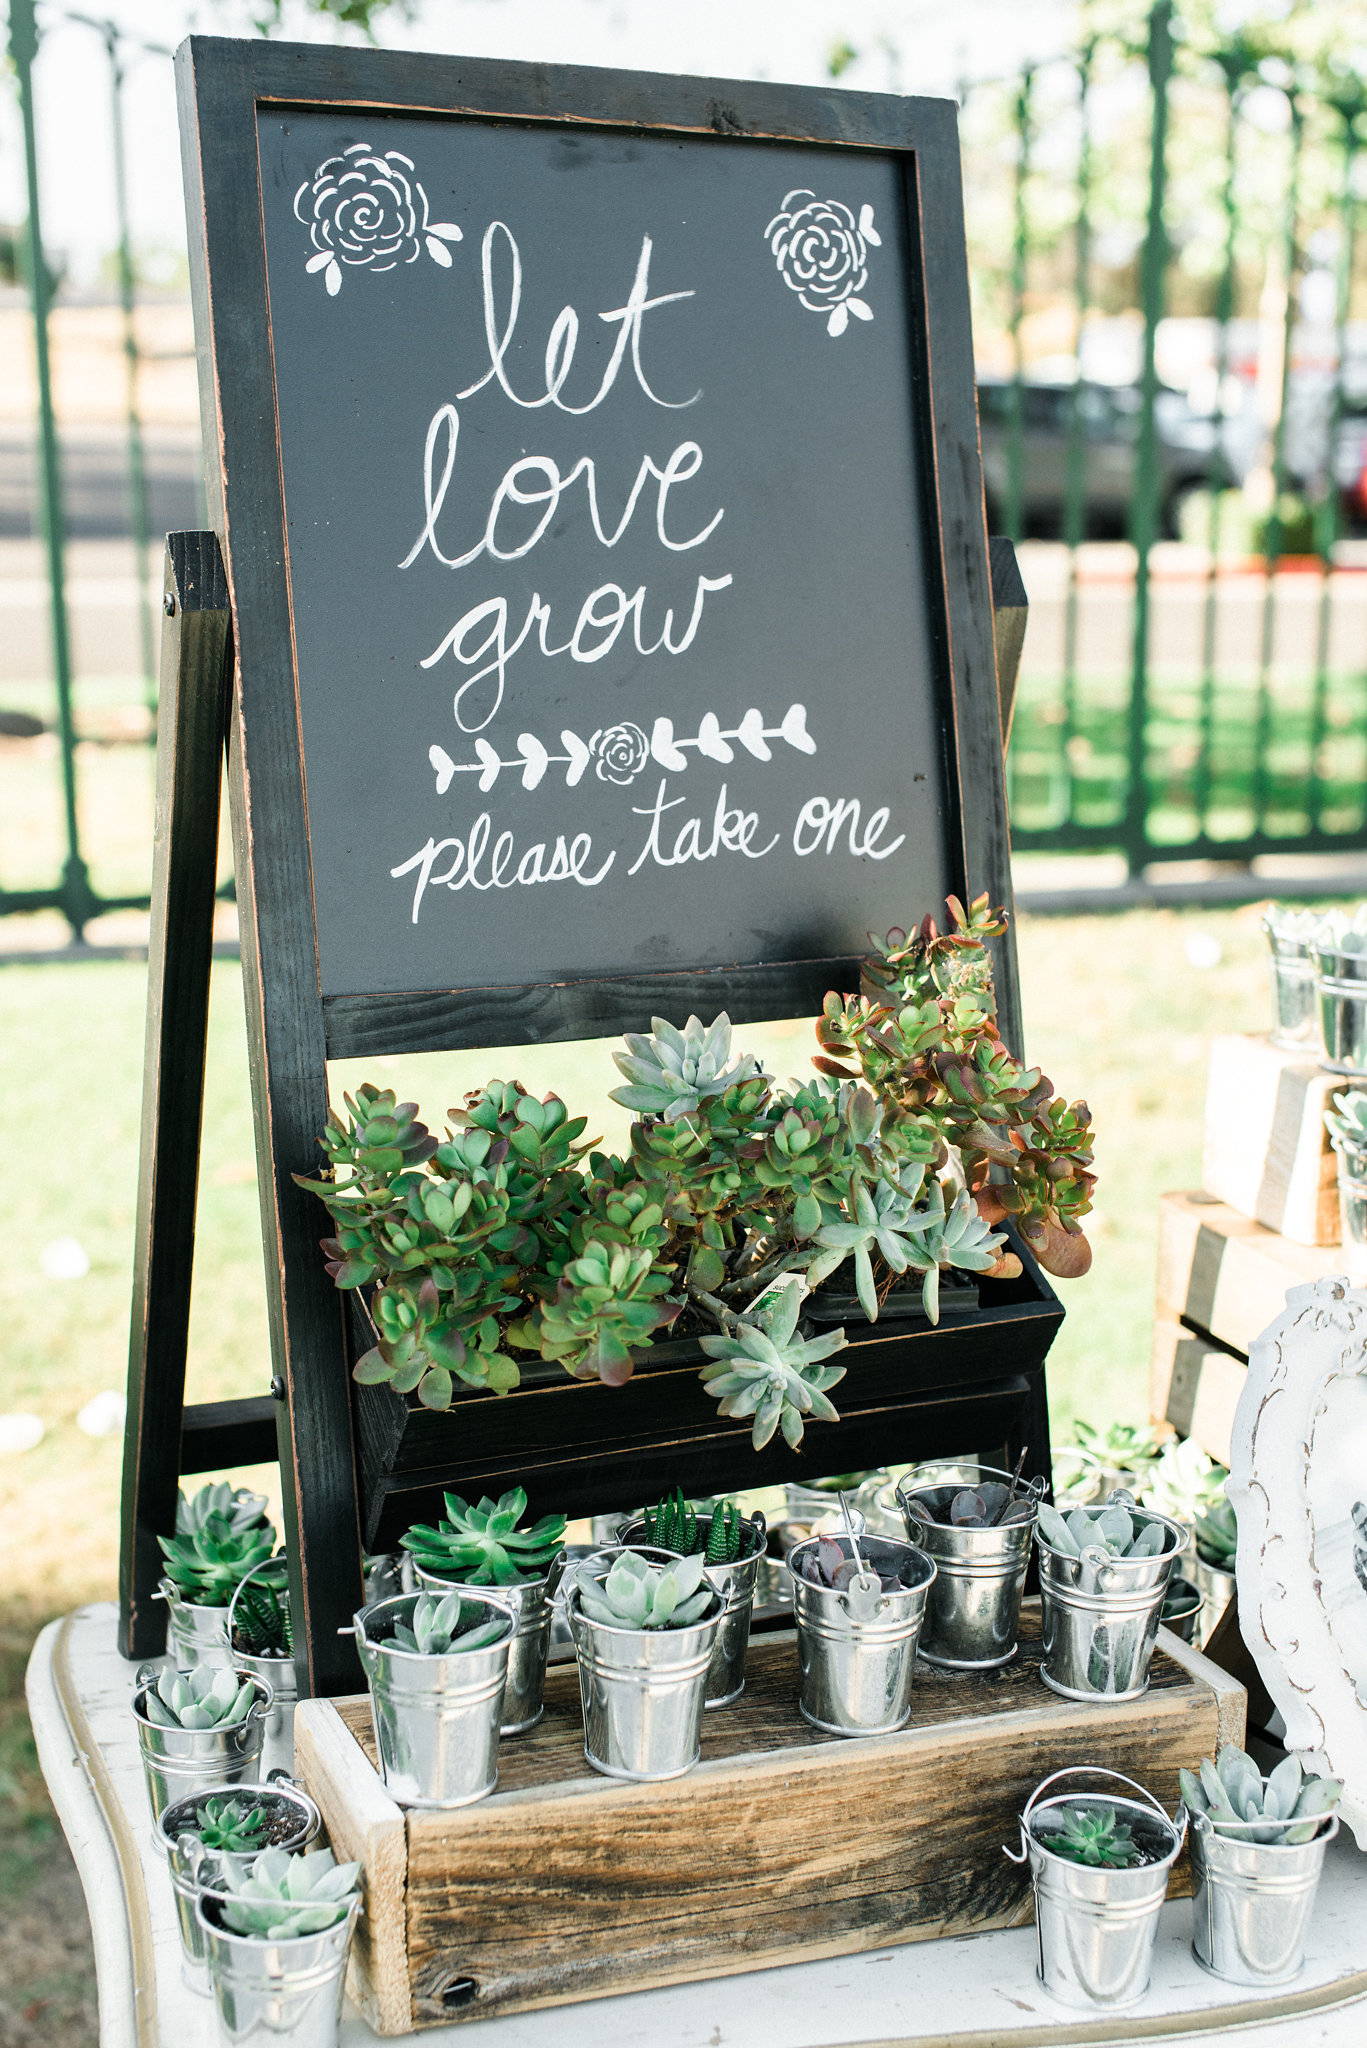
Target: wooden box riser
(783,1845)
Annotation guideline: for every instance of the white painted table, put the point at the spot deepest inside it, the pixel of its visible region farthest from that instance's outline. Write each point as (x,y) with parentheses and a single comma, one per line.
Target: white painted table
(971,1992)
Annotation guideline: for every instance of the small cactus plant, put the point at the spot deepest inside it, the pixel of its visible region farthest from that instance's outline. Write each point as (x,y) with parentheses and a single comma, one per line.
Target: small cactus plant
(440,1623)
(227,1821)
(636,1594)
(210,1696)
(1240,1802)
(285,1895)
(1095,1836)
(483,1545)
(674,1525)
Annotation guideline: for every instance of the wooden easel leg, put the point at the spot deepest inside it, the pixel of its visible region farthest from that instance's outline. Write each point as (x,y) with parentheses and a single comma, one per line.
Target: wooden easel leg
(195,688)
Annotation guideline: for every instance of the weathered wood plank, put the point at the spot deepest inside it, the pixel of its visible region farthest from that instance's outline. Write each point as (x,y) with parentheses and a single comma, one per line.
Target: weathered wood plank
(564,1885)
(1266,1149)
(1195,1385)
(1223,1273)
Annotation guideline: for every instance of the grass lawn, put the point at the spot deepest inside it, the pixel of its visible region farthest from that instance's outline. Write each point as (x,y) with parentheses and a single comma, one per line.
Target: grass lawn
(1118,1008)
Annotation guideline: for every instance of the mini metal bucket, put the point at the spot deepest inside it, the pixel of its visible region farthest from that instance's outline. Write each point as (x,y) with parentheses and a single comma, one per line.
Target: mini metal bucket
(734,1585)
(1216,1587)
(1352,1184)
(1341,993)
(1253,1901)
(1096,1928)
(1101,1617)
(436,1719)
(279,1674)
(642,1690)
(1183,1606)
(268,1989)
(1295,1025)
(185,1763)
(857,1670)
(532,1603)
(195,1869)
(195,1635)
(974,1606)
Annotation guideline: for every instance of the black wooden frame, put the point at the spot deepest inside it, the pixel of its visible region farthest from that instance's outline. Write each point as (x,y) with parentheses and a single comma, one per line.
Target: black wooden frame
(292,1029)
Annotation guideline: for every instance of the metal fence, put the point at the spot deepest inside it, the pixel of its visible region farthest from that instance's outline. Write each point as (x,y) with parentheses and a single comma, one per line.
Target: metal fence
(1165,249)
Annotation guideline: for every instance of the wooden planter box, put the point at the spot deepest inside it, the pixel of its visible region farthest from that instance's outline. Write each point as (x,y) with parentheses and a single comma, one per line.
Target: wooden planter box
(975,1382)
(784,1844)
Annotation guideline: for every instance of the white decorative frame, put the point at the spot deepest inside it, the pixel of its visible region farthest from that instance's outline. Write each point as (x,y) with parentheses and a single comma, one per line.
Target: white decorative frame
(1298,1483)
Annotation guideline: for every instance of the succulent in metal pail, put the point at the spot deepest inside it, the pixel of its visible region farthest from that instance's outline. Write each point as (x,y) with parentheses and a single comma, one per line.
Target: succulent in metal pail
(644,1633)
(277,1947)
(1257,1850)
(1104,1573)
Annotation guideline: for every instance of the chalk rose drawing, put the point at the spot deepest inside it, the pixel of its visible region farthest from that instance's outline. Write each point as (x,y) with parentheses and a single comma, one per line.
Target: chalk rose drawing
(823,255)
(367,210)
(619,753)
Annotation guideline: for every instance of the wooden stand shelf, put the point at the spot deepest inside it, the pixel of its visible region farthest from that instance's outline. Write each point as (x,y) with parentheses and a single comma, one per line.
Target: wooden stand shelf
(784,1845)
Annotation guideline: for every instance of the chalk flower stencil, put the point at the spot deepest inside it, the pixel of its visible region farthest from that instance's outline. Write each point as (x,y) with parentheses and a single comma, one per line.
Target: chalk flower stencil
(822,254)
(619,753)
(366,209)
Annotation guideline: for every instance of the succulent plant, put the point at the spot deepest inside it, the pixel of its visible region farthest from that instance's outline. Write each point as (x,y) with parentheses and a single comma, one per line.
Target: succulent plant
(483,1545)
(226,1820)
(207,1563)
(1095,1836)
(235,1505)
(1120,1446)
(1243,1804)
(990,1505)
(439,1623)
(1184,1481)
(610,1301)
(284,1895)
(879,1221)
(261,1616)
(672,1072)
(762,1368)
(1347,1120)
(634,1593)
(831,1563)
(673,1525)
(1217,1536)
(210,1696)
(1115,1529)
(953,1236)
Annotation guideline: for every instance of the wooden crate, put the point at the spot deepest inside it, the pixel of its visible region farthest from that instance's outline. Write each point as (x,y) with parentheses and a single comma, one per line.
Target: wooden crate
(1267,1152)
(1195,1385)
(784,1845)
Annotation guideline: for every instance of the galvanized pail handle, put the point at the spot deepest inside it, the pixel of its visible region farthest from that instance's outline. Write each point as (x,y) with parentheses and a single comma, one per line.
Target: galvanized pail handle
(1090,1771)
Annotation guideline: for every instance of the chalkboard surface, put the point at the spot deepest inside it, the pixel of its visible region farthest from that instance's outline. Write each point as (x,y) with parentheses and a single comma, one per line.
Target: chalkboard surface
(603,456)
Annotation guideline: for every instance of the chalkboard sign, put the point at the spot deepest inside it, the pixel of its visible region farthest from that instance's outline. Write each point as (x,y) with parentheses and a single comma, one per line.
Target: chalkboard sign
(595,462)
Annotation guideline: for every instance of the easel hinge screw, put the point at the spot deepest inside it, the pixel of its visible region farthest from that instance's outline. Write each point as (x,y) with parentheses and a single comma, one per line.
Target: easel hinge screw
(168,604)
(277,1389)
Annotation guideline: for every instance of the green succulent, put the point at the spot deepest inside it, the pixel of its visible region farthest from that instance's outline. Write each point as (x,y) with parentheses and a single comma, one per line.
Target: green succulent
(762,1368)
(439,1623)
(610,1301)
(1095,1836)
(1116,1530)
(881,1226)
(227,1820)
(261,1617)
(674,1525)
(672,1072)
(207,1563)
(1347,1120)
(634,1593)
(483,1545)
(235,1505)
(284,1895)
(1183,1481)
(1246,1806)
(380,1135)
(210,1696)
(1120,1446)
(1217,1536)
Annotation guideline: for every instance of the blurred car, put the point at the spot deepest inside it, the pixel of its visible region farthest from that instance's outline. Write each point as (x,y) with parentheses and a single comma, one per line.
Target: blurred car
(1189,456)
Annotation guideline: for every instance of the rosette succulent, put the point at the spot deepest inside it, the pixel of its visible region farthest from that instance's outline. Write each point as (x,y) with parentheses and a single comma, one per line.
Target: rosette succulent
(1347,1120)
(210,1696)
(634,1593)
(484,1545)
(1092,1835)
(671,1073)
(284,1895)
(226,1820)
(207,1561)
(1243,1804)
(442,1623)
(1114,1529)
(762,1368)
(235,1505)
(1217,1536)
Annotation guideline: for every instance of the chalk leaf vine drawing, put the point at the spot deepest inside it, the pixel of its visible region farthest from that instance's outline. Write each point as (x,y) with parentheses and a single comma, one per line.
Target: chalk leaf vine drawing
(366,209)
(619,753)
(822,254)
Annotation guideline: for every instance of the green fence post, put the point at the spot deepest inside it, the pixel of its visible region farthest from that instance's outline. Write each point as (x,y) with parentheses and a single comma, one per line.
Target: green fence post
(1272,546)
(1075,472)
(77,900)
(1013,509)
(1144,506)
(139,517)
